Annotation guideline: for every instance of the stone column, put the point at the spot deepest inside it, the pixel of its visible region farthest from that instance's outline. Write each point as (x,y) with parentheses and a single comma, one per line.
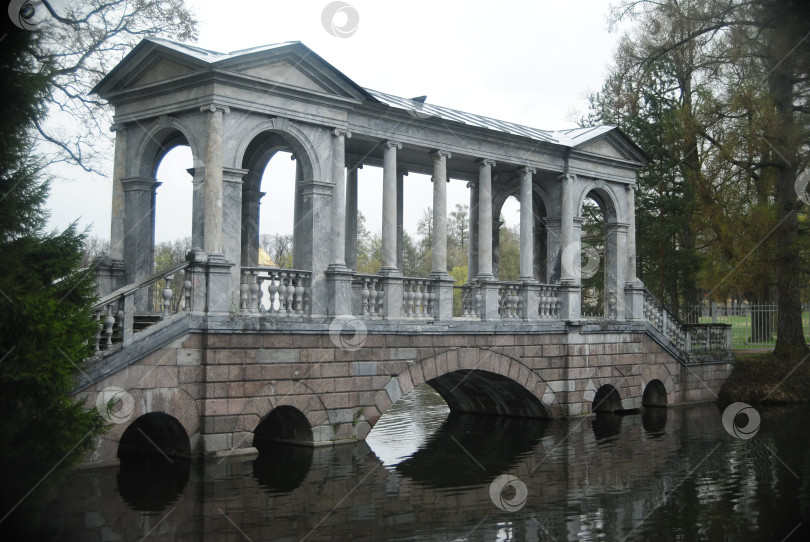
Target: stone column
(442,282)
(553,250)
(351,217)
(197,206)
(526,226)
(232,228)
(485,220)
(213,178)
(339,277)
(615,269)
(439,241)
(339,198)
(472,242)
(389,209)
(139,232)
(251,202)
(401,173)
(488,288)
(630,192)
(299,233)
(119,171)
(634,289)
(570,289)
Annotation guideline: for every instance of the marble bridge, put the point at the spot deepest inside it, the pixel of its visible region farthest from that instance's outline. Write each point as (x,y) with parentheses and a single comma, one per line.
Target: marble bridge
(218,354)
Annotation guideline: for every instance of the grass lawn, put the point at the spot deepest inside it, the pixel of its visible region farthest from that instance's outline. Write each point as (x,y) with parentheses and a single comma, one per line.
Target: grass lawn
(759,377)
(741,331)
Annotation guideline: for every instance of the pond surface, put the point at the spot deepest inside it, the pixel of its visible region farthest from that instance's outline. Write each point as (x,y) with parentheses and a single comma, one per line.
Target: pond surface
(426,474)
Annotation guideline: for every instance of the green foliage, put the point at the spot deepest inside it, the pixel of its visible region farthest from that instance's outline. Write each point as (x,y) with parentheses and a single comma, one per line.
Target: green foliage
(46,324)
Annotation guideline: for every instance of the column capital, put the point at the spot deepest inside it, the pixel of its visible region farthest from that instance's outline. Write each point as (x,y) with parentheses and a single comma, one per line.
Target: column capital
(438,153)
(118,127)
(139,183)
(527,169)
(342,132)
(393,144)
(211,108)
(631,187)
(352,167)
(567,176)
(486,162)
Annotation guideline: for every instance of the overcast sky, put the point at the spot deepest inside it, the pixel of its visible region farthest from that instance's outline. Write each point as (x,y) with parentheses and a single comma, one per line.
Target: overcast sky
(531,62)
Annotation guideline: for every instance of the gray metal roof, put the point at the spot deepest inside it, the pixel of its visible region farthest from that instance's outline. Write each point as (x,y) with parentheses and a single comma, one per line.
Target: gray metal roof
(419,109)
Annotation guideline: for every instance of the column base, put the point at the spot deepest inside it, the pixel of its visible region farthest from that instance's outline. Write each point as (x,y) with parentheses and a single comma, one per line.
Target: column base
(531,299)
(339,288)
(570,301)
(443,288)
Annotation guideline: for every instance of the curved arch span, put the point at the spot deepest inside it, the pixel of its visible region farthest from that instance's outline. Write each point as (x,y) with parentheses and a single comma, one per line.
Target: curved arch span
(154,433)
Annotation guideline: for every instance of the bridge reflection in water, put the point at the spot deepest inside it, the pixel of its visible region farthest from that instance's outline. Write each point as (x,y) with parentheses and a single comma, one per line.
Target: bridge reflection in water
(604,477)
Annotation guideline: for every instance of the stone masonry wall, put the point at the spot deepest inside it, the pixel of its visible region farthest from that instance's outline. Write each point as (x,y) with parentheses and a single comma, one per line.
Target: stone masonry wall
(220,385)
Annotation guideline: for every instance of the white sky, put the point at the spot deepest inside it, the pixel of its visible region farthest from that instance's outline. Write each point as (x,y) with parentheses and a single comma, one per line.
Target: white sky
(531,62)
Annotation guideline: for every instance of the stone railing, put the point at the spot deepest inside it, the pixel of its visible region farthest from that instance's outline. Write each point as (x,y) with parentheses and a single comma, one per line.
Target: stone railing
(118,316)
(418,298)
(708,337)
(510,300)
(695,342)
(278,292)
(665,321)
(549,301)
(368,296)
(469,301)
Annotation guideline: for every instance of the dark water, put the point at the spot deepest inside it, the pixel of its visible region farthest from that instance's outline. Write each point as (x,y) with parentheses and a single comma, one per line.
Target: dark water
(424,474)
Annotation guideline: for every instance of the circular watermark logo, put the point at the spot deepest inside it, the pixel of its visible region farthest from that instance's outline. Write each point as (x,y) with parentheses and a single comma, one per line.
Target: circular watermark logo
(506,482)
(802,186)
(589,267)
(348,333)
(115,405)
(751,427)
(340,19)
(26,14)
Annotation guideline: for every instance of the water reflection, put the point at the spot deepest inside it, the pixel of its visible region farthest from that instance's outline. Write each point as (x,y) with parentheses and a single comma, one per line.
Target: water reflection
(280,468)
(606,425)
(152,482)
(597,478)
(472,449)
(654,420)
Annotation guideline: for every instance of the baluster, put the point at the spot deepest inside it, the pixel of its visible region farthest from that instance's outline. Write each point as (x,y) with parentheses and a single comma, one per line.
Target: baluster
(372,297)
(305,297)
(431,299)
(408,301)
(380,299)
(465,301)
(417,299)
(100,327)
(244,291)
(167,295)
(299,295)
(272,290)
(364,297)
(260,292)
(253,293)
(109,322)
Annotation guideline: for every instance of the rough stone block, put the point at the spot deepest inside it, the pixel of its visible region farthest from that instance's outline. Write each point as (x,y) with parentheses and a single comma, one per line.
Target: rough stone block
(364,368)
(188,356)
(278,355)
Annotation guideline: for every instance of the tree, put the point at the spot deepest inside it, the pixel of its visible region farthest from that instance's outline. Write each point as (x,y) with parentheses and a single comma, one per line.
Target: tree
(80,40)
(742,70)
(46,321)
(279,248)
(458,226)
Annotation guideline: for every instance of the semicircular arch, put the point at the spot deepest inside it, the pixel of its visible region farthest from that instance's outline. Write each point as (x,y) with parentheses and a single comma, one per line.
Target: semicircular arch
(299,143)
(158,139)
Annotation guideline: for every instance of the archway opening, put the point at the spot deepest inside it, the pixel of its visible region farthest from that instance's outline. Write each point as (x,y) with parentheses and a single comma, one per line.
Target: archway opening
(154,434)
(607,399)
(173,203)
(592,256)
(274,226)
(655,394)
(284,424)
(483,392)
(506,241)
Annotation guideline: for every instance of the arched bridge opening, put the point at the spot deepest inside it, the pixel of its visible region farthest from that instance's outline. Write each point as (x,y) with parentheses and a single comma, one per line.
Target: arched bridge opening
(154,434)
(484,392)
(284,424)
(655,394)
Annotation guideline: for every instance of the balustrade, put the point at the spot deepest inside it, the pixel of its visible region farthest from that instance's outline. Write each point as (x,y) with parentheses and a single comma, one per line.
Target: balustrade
(418,298)
(115,313)
(372,295)
(278,292)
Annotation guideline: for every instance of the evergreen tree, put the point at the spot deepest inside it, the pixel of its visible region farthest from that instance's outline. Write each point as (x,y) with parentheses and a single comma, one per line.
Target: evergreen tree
(46,323)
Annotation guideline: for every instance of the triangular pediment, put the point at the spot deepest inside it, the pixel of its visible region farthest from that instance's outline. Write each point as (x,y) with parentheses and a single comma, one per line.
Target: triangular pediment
(290,64)
(159,69)
(613,144)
